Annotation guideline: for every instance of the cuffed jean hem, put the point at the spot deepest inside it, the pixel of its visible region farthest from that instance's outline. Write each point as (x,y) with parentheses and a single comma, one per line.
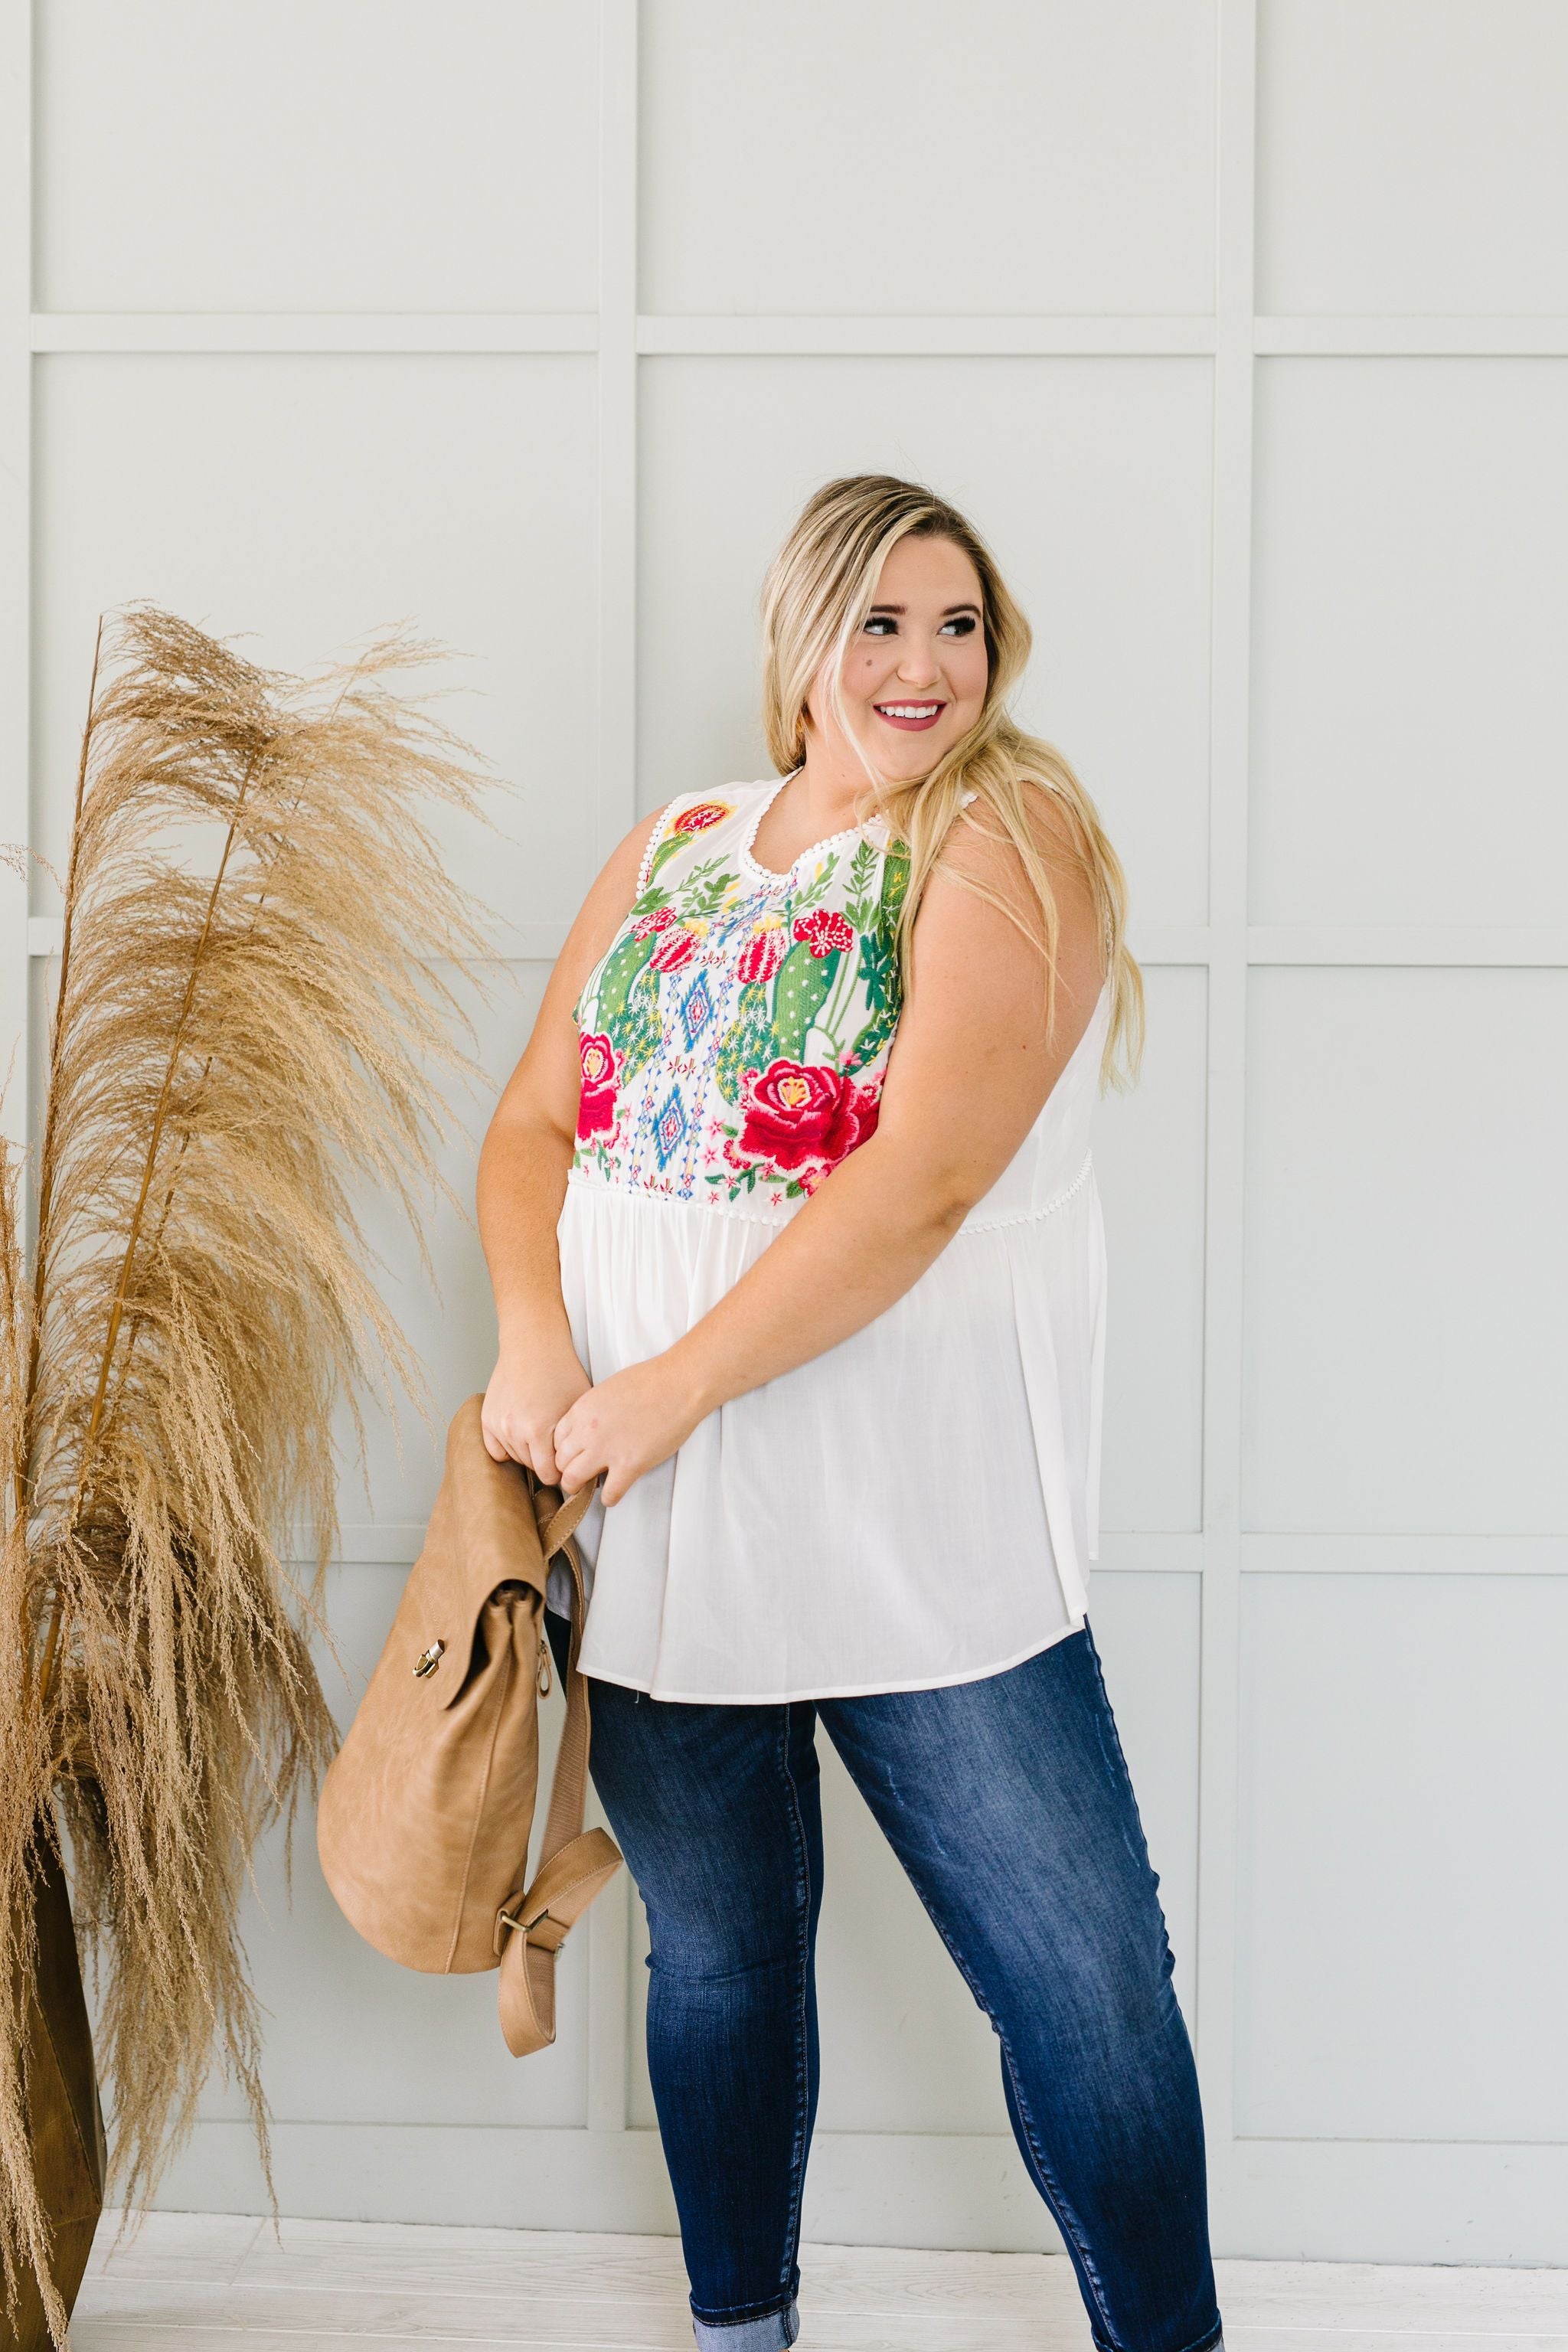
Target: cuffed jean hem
(772,2333)
(1214,2341)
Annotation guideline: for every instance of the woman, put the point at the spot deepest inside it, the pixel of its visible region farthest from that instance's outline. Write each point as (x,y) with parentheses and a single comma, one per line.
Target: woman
(797,1247)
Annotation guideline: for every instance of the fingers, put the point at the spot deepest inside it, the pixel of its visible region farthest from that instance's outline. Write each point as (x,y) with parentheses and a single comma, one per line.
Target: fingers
(579,1456)
(582,1467)
(502,1442)
(570,1455)
(507,1439)
(572,1466)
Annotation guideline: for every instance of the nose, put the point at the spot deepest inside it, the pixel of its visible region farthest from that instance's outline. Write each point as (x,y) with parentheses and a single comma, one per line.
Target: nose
(917,666)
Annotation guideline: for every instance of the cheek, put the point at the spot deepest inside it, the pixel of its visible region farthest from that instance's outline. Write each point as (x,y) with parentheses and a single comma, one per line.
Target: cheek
(968,669)
(861,677)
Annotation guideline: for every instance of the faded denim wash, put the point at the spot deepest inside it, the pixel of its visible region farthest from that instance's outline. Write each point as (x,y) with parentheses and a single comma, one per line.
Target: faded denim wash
(1008,1802)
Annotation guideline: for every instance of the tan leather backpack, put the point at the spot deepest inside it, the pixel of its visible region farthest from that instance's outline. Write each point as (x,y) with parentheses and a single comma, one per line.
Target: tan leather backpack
(425,1810)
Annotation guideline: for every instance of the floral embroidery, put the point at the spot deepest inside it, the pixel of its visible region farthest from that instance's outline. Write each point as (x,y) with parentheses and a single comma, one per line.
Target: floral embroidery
(694,820)
(803,1117)
(823,931)
(596,1104)
(736,1031)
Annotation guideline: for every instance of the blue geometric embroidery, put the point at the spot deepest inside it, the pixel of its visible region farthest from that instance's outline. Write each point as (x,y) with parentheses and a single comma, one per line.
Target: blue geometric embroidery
(693,1022)
(696,1010)
(670,1125)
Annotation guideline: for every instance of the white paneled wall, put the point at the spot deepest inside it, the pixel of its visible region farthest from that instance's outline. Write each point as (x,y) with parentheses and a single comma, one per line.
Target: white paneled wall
(782,169)
(1412,609)
(1241,327)
(354,157)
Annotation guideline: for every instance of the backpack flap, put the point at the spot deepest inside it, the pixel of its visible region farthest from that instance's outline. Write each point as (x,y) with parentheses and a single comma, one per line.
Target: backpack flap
(424,1813)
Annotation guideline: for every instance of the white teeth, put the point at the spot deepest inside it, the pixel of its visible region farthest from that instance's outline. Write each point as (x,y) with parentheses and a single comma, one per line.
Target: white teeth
(908,709)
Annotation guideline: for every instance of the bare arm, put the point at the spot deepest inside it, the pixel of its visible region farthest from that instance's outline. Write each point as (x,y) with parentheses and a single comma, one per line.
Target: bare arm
(523,1164)
(967,1077)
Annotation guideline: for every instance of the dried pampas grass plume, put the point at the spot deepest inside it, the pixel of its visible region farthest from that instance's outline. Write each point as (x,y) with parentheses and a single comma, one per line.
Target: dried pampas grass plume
(232,1048)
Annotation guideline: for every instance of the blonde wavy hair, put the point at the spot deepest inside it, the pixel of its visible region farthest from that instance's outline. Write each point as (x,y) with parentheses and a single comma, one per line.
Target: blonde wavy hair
(818,591)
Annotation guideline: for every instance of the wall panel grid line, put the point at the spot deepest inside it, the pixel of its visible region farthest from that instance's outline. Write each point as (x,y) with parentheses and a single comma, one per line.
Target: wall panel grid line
(610,1921)
(824,335)
(1342,946)
(1230,687)
(1272,2192)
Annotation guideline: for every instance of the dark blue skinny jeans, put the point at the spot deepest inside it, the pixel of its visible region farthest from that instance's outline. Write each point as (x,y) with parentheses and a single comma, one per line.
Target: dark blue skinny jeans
(1008,1802)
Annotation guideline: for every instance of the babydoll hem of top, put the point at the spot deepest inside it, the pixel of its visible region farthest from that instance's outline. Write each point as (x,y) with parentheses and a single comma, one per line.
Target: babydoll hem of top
(845,1690)
(700,1202)
(777,1218)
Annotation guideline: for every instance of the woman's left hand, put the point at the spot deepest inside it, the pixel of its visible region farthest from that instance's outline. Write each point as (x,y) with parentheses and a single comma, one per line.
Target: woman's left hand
(623,1426)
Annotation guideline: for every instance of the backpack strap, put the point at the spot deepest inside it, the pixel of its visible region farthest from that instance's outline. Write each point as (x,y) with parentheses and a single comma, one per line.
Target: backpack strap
(574,1865)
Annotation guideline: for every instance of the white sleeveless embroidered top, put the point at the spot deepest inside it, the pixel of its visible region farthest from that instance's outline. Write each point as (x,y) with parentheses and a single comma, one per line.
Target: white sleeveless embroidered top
(917,1504)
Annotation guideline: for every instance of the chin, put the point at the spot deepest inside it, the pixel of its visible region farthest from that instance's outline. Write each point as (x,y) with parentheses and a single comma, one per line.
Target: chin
(923,754)
(907,758)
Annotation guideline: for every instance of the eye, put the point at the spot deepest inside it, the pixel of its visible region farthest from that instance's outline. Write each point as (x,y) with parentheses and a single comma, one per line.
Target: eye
(879,622)
(964,623)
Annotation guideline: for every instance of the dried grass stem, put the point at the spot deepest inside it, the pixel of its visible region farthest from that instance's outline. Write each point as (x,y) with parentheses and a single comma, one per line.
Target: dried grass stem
(254,1048)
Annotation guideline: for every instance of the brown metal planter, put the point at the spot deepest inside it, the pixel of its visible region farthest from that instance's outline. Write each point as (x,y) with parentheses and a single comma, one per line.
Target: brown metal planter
(65,2115)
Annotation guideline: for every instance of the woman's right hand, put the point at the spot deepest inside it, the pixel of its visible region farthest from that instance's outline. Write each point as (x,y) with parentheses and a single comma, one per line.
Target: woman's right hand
(525,1399)
(524,1165)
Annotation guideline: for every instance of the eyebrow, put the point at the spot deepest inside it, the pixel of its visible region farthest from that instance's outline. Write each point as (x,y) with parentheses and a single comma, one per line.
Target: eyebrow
(947,609)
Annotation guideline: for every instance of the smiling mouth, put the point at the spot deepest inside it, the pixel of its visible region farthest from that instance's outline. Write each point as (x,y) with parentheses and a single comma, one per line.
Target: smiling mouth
(909,714)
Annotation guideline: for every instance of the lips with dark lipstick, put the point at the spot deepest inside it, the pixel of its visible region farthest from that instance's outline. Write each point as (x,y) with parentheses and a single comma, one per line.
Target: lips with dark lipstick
(913,715)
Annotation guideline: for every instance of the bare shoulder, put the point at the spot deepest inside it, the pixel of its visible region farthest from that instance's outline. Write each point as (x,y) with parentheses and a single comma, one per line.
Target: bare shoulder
(990,1021)
(978,845)
(979,849)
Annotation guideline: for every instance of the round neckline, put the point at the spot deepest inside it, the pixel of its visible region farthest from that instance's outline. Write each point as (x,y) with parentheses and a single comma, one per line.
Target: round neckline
(771,873)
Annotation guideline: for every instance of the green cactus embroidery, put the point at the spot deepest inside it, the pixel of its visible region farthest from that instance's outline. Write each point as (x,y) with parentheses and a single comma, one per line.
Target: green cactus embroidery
(635,1031)
(870,1040)
(879,971)
(799,994)
(620,969)
(747,1043)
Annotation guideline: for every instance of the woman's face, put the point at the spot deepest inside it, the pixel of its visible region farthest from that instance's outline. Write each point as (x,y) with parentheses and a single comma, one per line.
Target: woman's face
(914,680)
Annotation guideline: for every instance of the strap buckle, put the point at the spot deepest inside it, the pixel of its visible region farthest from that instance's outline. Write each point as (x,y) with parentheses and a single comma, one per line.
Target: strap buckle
(505,1918)
(530,1922)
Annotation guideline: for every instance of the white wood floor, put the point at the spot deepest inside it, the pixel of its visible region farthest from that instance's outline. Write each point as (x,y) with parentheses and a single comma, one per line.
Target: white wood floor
(216,2283)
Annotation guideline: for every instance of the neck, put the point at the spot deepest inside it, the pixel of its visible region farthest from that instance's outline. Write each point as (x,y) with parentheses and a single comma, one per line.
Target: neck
(829,783)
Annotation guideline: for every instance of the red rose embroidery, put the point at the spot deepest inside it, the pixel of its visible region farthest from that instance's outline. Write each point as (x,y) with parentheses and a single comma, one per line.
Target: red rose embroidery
(762,955)
(805,1117)
(597,1103)
(823,930)
(656,922)
(698,819)
(676,947)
